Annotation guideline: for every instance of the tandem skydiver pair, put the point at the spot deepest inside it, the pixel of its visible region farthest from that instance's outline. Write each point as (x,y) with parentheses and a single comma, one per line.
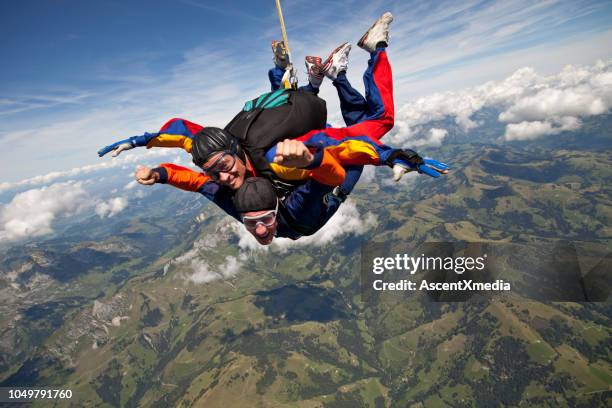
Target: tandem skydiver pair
(276,167)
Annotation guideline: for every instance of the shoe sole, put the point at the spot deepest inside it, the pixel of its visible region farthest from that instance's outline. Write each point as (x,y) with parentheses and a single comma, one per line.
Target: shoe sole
(364,37)
(329,59)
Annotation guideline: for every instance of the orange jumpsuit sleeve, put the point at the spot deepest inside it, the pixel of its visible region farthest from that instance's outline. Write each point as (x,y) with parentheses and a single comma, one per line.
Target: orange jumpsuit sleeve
(181,177)
(325,169)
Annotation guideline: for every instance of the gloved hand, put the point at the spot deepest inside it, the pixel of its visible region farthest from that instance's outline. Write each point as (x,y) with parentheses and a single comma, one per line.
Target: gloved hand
(281,57)
(116,148)
(407,160)
(127,144)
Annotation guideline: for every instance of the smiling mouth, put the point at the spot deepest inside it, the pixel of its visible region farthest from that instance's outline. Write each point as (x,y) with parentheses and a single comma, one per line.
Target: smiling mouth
(265,239)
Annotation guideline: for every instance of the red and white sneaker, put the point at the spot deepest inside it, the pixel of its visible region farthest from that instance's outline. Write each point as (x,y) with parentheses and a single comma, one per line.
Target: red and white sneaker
(379,32)
(314,68)
(337,61)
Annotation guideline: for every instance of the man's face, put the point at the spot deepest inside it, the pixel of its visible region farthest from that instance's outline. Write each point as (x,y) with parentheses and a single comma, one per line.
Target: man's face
(261,224)
(226,169)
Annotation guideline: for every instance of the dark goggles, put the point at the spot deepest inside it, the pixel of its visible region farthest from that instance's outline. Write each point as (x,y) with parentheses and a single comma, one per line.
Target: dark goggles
(223,164)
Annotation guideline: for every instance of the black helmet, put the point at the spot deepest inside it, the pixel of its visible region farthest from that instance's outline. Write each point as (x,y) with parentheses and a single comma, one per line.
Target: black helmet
(211,140)
(255,194)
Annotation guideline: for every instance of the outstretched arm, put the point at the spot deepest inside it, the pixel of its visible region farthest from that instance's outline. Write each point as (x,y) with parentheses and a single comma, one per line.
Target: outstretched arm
(127,144)
(351,151)
(181,177)
(188,180)
(177,176)
(175,133)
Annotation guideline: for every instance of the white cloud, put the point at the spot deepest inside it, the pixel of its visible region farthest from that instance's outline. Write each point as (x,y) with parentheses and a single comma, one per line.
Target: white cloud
(203,273)
(25,102)
(580,100)
(206,242)
(527,130)
(536,129)
(130,185)
(368,175)
(433,137)
(436,136)
(201,270)
(111,207)
(532,105)
(347,221)
(231,267)
(123,160)
(31,213)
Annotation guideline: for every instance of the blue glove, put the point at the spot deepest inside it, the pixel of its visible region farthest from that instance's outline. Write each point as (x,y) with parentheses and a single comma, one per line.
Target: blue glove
(127,144)
(407,160)
(433,167)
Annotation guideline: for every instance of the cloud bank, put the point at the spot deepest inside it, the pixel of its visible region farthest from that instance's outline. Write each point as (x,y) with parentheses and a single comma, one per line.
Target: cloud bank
(105,163)
(531,105)
(31,213)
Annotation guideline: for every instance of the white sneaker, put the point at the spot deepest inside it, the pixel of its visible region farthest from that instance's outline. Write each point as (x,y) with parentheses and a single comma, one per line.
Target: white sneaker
(337,61)
(379,32)
(281,58)
(314,68)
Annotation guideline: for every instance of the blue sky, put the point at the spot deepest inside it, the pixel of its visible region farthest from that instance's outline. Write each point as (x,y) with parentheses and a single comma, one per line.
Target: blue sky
(81,74)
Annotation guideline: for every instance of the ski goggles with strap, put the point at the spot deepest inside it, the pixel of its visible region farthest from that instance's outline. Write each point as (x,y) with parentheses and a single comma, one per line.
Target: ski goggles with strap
(266,219)
(223,164)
